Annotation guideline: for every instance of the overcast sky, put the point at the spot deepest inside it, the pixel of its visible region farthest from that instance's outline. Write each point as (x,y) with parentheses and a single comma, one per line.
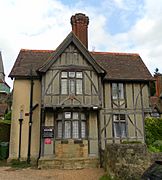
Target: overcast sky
(115,26)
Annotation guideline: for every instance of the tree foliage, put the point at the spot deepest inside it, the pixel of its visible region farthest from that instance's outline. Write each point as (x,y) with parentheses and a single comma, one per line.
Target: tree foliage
(153,129)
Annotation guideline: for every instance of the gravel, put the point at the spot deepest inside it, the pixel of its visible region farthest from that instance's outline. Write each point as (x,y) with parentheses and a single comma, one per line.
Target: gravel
(8,173)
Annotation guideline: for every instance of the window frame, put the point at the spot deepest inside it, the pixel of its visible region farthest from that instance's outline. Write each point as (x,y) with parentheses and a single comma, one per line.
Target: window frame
(74,82)
(118,91)
(72,117)
(118,120)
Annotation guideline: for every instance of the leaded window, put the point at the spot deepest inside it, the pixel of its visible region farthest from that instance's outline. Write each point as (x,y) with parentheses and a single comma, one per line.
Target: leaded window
(119,122)
(71,82)
(117,91)
(71,125)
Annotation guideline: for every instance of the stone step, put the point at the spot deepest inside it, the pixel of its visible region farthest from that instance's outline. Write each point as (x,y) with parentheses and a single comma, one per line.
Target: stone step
(68,163)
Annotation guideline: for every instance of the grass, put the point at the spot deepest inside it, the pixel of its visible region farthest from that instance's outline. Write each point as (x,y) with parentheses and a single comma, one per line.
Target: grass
(16,164)
(108,177)
(19,164)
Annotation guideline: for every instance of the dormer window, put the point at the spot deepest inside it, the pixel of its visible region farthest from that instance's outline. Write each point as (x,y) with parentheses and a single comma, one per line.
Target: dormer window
(71,82)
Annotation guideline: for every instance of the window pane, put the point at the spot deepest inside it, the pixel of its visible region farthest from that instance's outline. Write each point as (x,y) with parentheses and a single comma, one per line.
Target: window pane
(75,129)
(119,125)
(64,74)
(59,129)
(120,129)
(72,86)
(83,129)
(79,86)
(75,115)
(114,91)
(59,116)
(83,116)
(63,86)
(121,91)
(79,75)
(116,129)
(71,74)
(67,115)
(67,129)
(123,129)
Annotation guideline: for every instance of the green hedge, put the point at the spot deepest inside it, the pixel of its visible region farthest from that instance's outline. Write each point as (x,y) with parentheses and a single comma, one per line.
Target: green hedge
(153,129)
(4,132)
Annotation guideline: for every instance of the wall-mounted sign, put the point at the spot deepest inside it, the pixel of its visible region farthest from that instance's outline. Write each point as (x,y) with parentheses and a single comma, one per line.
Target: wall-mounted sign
(47,141)
(48,132)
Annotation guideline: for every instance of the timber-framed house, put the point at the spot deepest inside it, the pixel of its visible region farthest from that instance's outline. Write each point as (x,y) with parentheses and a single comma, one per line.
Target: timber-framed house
(68,103)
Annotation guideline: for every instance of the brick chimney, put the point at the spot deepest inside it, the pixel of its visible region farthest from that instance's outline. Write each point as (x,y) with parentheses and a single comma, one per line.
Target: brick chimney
(158,78)
(79,24)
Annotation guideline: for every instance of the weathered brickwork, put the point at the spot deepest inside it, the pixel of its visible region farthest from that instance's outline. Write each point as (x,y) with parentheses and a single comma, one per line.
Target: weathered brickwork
(71,150)
(68,163)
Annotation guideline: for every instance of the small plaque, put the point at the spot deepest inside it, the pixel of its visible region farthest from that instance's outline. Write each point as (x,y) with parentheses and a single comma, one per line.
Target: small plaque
(48,132)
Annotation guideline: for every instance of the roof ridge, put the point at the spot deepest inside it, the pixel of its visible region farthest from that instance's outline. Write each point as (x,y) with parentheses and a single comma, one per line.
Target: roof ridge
(114,53)
(37,50)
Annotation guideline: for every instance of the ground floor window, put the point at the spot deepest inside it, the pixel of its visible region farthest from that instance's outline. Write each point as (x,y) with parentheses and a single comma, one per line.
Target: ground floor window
(119,123)
(71,125)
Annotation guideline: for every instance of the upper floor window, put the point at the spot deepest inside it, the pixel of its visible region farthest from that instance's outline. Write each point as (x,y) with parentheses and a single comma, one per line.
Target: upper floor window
(71,82)
(119,122)
(117,91)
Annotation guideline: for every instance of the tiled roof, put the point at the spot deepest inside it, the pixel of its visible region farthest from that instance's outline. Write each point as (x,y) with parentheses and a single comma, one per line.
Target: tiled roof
(119,66)
(122,66)
(28,59)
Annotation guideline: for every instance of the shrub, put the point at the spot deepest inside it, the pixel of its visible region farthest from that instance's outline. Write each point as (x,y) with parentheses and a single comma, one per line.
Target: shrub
(153,129)
(8,116)
(131,142)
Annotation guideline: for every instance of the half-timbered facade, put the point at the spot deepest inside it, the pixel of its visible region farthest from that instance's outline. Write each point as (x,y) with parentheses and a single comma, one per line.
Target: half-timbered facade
(68,103)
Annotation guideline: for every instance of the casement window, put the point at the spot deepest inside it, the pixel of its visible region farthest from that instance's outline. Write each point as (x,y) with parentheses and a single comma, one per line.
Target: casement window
(117,91)
(119,123)
(71,125)
(71,82)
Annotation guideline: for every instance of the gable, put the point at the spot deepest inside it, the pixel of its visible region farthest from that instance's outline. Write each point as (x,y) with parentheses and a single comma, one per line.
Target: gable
(73,47)
(71,57)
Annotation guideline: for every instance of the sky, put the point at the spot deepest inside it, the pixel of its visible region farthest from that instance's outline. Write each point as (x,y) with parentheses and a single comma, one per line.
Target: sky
(129,26)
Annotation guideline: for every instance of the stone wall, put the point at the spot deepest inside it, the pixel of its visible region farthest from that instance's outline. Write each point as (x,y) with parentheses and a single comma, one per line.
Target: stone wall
(71,149)
(126,161)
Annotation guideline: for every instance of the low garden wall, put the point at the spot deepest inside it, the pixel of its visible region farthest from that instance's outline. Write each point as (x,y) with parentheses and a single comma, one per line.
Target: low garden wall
(126,161)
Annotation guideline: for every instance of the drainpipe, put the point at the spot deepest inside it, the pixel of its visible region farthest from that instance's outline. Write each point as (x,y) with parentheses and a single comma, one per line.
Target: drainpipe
(99,137)
(20,134)
(30,116)
(40,138)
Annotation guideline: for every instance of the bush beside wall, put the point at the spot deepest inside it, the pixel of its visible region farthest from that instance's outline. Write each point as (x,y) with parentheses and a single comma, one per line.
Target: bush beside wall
(4,132)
